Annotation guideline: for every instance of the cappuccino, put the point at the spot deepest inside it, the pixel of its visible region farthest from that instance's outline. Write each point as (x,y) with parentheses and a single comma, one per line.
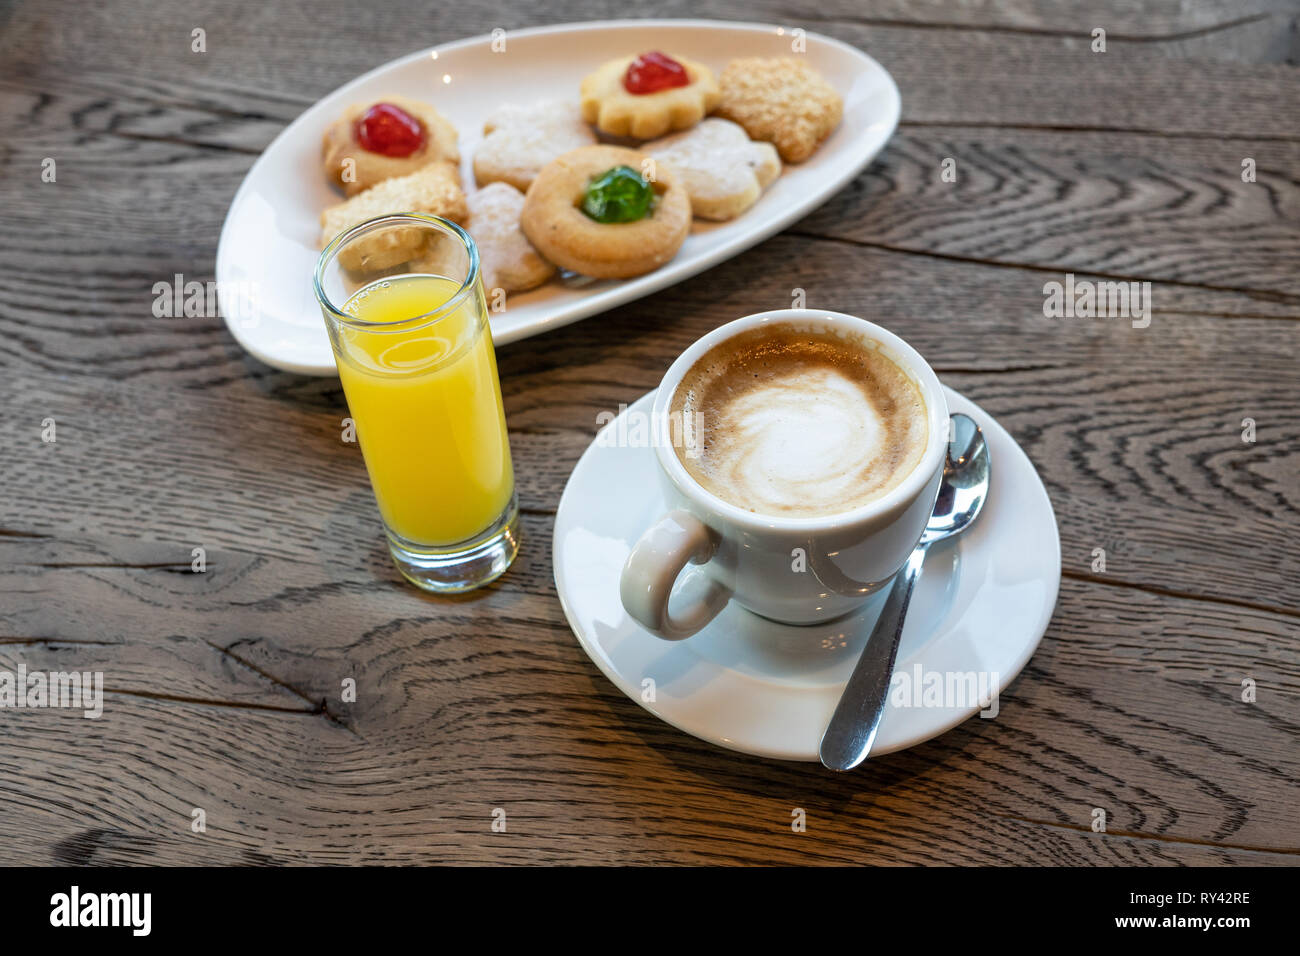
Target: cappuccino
(799,422)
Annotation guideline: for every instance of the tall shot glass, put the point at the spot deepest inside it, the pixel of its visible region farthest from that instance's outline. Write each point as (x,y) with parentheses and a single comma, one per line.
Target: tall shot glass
(403,301)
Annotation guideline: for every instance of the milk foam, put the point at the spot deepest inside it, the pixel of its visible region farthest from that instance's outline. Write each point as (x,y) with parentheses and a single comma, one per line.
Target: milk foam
(801,424)
(803,438)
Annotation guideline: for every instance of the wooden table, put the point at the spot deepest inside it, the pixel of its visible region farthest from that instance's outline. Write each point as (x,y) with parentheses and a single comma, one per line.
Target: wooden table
(224,688)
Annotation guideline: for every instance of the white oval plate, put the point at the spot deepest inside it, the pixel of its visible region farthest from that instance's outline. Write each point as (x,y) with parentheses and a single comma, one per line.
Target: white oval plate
(268,244)
(981,606)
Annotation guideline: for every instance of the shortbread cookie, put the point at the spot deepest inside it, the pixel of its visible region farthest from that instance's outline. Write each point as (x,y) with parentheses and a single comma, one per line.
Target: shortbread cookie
(781,100)
(648,95)
(384,139)
(520,140)
(644,223)
(435,190)
(723,170)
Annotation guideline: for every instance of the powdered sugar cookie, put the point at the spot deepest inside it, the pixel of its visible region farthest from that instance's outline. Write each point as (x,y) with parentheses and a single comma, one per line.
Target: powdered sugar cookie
(723,170)
(648,95)
(520,140)
(590,211)
(507,259)
(781,100)
(435,190)
(384,139)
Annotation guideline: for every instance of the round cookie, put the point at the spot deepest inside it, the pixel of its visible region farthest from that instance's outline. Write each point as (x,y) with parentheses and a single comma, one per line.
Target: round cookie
(554,222)
(607,103)
(520,140)
(723,170)
(355,169)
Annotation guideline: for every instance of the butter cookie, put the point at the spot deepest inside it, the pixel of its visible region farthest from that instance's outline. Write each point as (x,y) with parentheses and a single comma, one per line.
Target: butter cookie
(781,100)
(434,190)
(591,211)
(520,140)
(385,139)
(723,170)
(648,95)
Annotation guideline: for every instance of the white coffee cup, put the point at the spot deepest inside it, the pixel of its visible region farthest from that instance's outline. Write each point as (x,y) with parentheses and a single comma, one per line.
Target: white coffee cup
(796,570)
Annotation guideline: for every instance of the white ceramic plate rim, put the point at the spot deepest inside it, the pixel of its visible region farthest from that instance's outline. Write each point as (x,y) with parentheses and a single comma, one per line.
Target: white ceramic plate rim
(604,296)
(944,719)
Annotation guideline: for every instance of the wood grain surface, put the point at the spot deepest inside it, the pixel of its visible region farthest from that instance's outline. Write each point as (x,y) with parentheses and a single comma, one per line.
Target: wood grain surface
(222,689)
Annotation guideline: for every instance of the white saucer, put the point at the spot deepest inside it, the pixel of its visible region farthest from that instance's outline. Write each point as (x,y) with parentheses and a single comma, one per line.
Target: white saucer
(749,684)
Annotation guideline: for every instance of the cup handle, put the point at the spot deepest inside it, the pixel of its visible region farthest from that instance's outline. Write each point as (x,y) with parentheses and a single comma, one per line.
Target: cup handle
(674,541)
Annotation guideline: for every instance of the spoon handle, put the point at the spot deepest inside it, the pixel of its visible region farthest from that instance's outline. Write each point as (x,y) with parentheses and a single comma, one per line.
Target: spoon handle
(853,726)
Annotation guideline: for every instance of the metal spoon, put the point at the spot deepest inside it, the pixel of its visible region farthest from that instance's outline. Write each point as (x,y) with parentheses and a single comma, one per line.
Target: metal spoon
(965,485)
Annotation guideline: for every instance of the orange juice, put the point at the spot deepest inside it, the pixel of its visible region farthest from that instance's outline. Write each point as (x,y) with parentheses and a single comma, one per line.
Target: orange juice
(427,406)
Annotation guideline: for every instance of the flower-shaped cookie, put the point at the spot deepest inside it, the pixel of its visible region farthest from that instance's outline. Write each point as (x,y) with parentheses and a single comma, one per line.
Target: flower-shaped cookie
(782,100)
(723,170)
(648,95)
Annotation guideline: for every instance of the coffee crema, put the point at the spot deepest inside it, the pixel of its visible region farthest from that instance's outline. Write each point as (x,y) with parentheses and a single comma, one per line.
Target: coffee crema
(799,422)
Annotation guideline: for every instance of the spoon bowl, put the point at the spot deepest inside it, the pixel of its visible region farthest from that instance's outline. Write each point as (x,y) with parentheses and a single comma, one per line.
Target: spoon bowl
(962,492)
(965,481)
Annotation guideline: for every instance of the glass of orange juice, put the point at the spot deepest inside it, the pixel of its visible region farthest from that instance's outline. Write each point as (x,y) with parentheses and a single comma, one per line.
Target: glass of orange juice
(403,301)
